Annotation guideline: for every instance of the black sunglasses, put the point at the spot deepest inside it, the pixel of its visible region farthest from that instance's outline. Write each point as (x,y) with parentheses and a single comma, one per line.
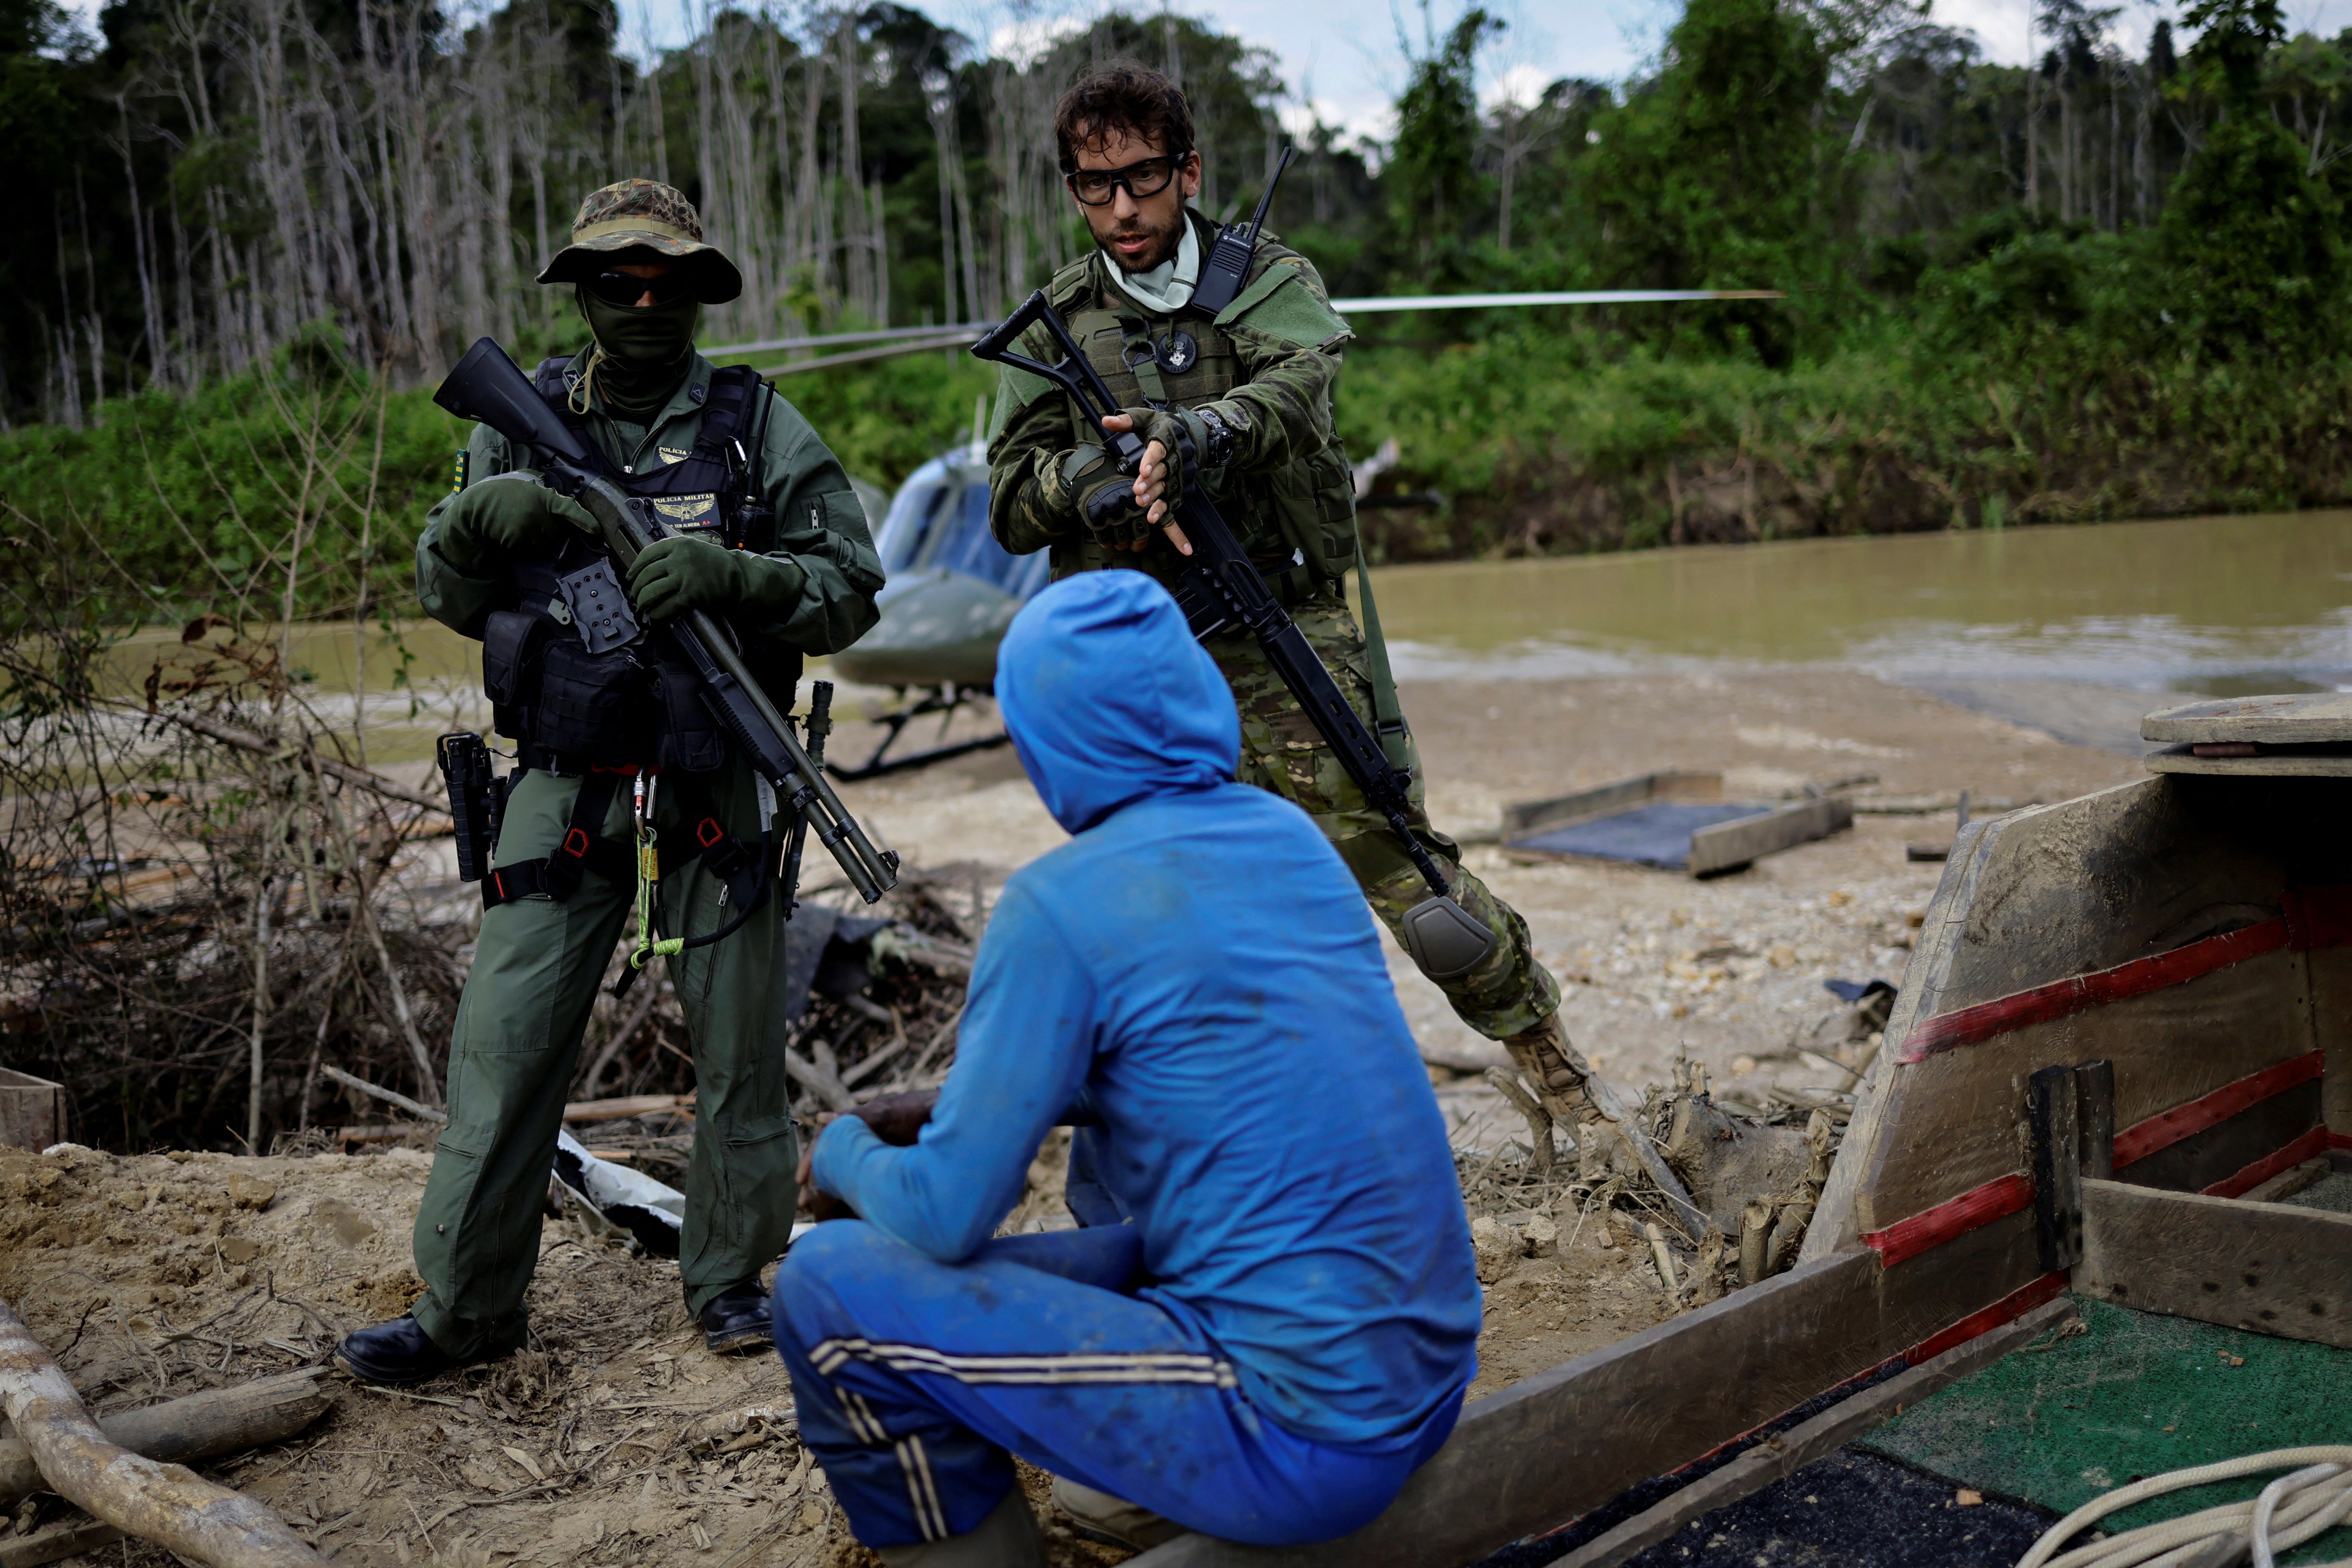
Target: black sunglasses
(1147,178)
(621,289)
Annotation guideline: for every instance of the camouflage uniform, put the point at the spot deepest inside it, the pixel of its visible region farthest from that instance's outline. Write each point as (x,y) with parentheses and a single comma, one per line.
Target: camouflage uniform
(1267,366)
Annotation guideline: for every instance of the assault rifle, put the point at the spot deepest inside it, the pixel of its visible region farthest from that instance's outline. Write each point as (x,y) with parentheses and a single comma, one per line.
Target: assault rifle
(488,386)
(1221,587)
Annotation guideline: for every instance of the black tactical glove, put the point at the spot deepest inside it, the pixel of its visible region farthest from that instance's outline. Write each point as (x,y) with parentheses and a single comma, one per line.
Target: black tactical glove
(688,571)
(506,517)
(1089,482)
(1182,435)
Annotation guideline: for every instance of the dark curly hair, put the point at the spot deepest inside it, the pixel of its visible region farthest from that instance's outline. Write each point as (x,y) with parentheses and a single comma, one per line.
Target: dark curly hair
(1122,95)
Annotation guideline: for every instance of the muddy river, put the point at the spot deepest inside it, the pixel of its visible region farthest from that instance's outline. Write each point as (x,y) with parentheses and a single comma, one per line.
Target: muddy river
(2220,605)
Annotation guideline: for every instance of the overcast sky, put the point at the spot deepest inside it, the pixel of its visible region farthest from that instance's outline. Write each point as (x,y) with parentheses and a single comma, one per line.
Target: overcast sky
(1346,55)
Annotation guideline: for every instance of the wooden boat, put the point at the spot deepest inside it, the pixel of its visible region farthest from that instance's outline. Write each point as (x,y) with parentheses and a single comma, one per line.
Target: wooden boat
(2128,1017)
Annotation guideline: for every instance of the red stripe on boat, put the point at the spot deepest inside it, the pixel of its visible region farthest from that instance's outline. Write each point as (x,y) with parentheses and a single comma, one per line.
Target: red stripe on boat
(1997,1199)
(2078,993)
(2009,1309)
(2310,1146)
(2162,1131)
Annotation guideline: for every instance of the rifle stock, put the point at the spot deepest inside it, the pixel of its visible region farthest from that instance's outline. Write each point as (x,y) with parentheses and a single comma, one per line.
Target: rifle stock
(489,387)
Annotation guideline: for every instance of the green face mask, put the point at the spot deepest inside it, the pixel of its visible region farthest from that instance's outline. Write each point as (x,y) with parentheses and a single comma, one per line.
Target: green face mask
(646,353)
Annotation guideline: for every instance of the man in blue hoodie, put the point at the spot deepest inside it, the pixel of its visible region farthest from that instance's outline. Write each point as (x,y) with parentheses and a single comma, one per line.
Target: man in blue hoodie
(1285,1328)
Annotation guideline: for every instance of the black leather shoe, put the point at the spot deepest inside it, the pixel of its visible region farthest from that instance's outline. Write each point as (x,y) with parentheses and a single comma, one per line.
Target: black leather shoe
(735,1321)
(399,1354)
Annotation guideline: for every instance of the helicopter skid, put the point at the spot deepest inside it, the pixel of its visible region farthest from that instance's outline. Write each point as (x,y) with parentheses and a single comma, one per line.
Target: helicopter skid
(879,763)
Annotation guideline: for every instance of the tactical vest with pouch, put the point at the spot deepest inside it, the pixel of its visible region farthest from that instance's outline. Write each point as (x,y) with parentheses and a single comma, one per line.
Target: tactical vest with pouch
(569,678)
(1298,522)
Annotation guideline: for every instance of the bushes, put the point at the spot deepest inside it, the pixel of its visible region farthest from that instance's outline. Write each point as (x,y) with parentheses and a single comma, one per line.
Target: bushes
(166,502)
(1540,445)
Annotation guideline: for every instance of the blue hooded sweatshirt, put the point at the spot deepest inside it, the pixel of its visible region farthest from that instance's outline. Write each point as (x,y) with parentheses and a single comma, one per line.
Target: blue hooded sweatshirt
(1198,968)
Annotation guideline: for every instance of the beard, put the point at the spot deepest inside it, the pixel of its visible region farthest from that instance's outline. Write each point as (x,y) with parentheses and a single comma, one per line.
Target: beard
(1164,239)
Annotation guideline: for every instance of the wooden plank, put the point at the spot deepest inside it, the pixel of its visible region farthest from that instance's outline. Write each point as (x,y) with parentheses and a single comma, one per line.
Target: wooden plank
(2095,1117)
(2331,1007)
(1792,1450)
(2292,719)
(2145,1137)
(2259,1173)
(2270,1267)
(1524,817)
(1728,845)
(2081,993)
(1556,1445)
(32,1110)
(2220,1152)
(2057,1167)
(1952,1121)
(2262,766)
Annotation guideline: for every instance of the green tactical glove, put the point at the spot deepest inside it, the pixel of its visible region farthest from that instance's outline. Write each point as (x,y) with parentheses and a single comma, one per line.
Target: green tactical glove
(506,517)
(688,571)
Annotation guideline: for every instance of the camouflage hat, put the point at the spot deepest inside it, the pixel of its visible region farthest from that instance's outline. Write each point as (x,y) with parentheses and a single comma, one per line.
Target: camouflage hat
(643,215)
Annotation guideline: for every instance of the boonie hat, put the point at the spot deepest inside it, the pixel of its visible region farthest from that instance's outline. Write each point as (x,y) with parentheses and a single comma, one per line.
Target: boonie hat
(644,215)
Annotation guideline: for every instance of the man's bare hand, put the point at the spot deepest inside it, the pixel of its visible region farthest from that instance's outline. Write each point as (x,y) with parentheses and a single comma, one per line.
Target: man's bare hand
(895,1118)
(1151,487)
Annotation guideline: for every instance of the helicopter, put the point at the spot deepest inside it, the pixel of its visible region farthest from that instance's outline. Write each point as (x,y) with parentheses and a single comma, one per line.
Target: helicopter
(952,590)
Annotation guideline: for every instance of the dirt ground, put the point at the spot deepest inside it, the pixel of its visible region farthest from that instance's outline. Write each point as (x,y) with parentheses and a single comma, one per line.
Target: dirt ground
(160,1274)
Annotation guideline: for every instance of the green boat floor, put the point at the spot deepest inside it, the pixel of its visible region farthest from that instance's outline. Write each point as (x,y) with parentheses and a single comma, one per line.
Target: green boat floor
(2066,1420)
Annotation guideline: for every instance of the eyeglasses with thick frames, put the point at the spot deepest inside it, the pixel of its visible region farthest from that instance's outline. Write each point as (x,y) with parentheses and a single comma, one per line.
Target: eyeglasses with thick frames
(621,289)
(1145,178)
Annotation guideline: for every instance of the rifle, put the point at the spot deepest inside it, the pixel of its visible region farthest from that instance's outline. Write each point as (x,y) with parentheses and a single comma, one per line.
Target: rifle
(1222,588)
(488,388)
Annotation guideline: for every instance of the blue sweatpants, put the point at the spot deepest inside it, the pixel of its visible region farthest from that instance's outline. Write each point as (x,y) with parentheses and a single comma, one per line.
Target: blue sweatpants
(914,1378)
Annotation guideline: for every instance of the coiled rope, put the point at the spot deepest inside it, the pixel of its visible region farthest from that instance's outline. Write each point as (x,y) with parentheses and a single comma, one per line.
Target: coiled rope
(2290,1510)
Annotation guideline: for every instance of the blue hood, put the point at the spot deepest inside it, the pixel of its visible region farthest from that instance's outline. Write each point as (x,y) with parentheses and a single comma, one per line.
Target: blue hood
(1109,700)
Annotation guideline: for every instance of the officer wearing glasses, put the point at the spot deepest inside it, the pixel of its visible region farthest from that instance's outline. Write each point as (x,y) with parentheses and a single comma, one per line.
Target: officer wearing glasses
(1239,404)
(768,534)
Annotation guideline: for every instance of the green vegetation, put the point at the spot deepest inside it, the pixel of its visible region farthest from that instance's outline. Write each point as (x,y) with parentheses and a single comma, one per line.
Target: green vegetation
(175,504)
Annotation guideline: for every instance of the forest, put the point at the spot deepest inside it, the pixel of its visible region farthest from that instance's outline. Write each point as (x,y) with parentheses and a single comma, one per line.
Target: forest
(2107,284)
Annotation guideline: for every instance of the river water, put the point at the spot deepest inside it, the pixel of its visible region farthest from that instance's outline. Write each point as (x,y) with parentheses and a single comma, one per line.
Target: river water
(2220,605)
(2062,626)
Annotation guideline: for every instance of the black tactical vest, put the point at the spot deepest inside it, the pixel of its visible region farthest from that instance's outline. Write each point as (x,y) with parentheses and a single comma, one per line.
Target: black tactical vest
(568,700)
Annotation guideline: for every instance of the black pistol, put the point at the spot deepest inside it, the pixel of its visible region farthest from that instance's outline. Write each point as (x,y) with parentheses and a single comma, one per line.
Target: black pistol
(477,798)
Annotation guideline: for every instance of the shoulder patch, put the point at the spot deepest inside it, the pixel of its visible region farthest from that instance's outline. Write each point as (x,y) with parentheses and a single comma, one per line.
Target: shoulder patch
(1290,311)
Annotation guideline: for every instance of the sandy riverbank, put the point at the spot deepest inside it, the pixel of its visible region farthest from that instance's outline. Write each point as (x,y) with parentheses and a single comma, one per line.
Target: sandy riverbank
(1653,966)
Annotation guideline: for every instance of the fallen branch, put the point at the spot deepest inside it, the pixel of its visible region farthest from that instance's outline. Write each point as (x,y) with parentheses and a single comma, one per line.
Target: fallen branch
(1539,1149)
(389,1096)
(168,1504)
(201,1425)
(259,745)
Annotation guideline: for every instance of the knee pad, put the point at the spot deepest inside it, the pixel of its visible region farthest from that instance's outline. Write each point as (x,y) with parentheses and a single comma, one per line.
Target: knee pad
(1446,940)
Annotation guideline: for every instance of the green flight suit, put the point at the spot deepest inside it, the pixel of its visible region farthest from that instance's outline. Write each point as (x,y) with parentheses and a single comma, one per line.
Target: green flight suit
(1266,366)
(537,961)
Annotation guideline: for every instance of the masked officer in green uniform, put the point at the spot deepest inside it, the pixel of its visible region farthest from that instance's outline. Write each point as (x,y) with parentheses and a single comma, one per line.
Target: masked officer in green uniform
(770,536)
(1247,396)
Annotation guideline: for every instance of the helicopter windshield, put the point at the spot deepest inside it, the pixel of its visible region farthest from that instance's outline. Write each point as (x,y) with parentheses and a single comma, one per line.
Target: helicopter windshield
(940,520)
